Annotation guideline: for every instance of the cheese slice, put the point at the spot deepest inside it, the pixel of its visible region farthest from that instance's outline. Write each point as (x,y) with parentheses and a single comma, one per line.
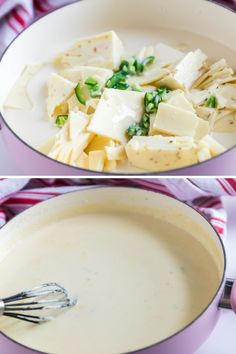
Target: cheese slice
(78,121)
(82,161)
(98,143)
(110,166)
(159,153)
(226,124)
(116,111)
(82,73)
(179,100)
(202,130)
(166,55)
(215,147)
(78,146)
(103,50)
(170,82)
(172,120)
(59,90)
(198,97)
(149,76)
(116,153)
(226,96)
(189,68)
(18,97)
(97,160)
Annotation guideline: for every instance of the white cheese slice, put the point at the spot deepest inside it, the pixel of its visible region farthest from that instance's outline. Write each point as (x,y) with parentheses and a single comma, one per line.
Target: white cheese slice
(159,153)
(226,96)
(227,124)
(18,97)
(97,160)
(82,73)
(166,55)
(202,130)
(189,68)
(116,153)
(215,147)
(170,82)
(110,166)
(198,97)
(98,143)
(82,161)
(102,50)
(59,90)
(78,121)
(148,76)
(79,145)
(179,100)
(116,111)
(175,121)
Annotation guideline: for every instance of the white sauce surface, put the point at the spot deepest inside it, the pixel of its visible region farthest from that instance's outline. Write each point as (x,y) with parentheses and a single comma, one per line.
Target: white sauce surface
(138,280)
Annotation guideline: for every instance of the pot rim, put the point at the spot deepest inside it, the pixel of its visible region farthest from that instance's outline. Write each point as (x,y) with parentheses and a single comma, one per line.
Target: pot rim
(221,283)
(90,172)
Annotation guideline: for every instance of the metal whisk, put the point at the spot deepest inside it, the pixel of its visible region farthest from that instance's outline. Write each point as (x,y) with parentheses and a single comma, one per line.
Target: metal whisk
(49,296)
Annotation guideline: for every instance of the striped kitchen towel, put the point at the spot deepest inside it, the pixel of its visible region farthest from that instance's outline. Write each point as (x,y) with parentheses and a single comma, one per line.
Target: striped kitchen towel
(205,195)
(15,15)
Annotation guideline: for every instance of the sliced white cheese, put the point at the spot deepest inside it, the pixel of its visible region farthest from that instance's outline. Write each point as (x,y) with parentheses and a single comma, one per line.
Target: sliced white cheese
(110,166)
(202,130)
(148,76)
(215,147)
(97,160)
(226,96)
(198,97)
(179,100)
(189,68)
(175,121)
(18,97)
(103,50)
(82,73)
(204,154)
(78,121)
(166,55)
(116,153)
(79,145)
(159,153)
(59,90)
(82,161)
(98,143)
(170,82)
(116,111)
(227,124)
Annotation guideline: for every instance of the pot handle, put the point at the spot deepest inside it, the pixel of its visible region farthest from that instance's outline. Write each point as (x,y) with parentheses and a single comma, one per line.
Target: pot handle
(228,300)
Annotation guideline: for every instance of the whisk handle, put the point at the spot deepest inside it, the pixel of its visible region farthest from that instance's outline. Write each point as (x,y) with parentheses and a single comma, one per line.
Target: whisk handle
(2,307)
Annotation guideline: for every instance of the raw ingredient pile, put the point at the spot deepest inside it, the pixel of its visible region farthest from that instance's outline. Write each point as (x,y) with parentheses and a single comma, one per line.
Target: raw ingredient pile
(155,111)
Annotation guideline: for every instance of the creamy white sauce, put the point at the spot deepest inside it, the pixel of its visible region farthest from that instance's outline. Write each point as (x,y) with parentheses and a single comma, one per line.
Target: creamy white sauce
(138,280)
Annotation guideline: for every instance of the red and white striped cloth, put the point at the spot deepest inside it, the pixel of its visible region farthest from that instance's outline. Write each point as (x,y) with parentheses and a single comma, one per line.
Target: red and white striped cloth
(15,15)
(205,195)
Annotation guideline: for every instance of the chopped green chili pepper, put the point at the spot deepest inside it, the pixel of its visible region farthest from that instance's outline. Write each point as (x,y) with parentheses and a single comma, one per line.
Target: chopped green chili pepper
(61,119)
(79,94)
(91,81)
(211,102)
(136,88)
(116,79)
(93,87)
(151,103)
(148,61)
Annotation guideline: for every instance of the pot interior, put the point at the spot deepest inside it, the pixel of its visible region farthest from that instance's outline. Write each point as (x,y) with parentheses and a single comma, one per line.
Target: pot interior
(142,265)
(184,26)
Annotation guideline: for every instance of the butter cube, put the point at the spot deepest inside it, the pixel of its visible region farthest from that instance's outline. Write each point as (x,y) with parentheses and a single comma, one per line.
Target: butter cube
(116,111)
